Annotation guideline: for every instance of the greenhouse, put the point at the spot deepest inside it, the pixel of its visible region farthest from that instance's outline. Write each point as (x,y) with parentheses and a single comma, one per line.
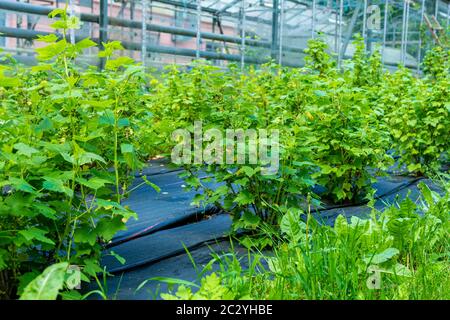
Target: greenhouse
(224,150)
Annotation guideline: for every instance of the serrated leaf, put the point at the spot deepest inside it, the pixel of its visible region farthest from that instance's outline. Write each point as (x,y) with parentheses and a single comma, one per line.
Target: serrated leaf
(249,172)
(45,210)
(107,228)
(85,44)
(250,219)
(94,183)
(51,51)
(56,185)
(244,197)
(34,233)
(22,185)
(85,234)
(25,149)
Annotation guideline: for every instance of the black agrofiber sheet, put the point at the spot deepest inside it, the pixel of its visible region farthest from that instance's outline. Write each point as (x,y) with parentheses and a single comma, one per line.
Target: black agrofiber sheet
(123,285)
(409,188)
(165,228)
(159,210)
(166,243)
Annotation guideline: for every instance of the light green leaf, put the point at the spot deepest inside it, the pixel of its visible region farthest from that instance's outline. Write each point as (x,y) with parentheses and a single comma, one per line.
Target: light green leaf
(25,149)
(292,225)
(88,157)
(126,148)
(384,256)
(151,184)
(94,183)
(47,285)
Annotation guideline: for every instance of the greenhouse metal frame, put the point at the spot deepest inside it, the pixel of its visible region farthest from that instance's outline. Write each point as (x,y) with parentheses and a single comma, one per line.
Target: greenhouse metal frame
(160,32)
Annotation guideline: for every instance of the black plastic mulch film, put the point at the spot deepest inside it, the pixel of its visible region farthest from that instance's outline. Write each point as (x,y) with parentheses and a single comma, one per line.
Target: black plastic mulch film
(164,229)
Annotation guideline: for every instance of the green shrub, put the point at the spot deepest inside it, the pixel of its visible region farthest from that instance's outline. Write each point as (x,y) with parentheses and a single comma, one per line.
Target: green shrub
(419,119)
(257,100)
(62,130)
(343,132)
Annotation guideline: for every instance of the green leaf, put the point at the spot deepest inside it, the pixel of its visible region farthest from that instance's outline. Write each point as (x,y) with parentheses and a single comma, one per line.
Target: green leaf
(34,233)
(3,257)
(22,185)
(85,234)
(426,193)
(9,82)
(91,267)
(94,183)
(47,285)
(197,200)
(123,122)
(222,190)
(45,125)
(73,23)
(107,118)
(414,167)
(402,270)
(88,157)
(56,185)
(107,228)
(49,38)
(45,210)
(51,51)
(71,295)
(41,67)
(68,157)
(107,204)
(57,12)
(292,225)
(320,93)
(244,197)
(118,257)
(384,256)
(85,44)
(250,219)
(340,225)
(151,184)
(25,279)
(25,149)
(109,48)
(248,171)
(119,62)
(126,148)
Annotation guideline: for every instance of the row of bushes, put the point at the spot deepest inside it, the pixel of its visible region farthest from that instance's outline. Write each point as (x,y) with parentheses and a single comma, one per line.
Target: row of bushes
(338,128)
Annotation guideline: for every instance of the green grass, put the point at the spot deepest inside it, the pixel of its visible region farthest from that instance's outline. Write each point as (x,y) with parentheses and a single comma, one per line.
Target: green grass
(409,252)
